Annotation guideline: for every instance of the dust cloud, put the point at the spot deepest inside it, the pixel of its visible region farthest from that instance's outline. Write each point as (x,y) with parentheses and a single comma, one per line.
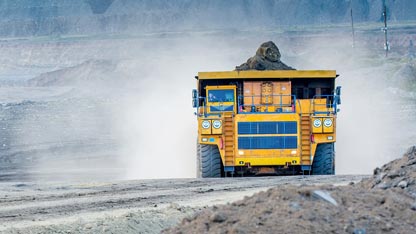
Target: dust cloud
(156,125)
(370,128)
(159,129)
(137,122)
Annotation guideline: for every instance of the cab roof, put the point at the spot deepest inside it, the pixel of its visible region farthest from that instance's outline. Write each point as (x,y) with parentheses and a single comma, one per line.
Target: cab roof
(269,74)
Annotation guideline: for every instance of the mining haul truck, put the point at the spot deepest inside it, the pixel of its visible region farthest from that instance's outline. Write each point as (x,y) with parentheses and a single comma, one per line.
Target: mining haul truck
(266,122)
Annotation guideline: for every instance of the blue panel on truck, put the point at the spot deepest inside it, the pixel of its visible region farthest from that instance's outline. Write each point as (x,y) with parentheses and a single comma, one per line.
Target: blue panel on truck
(272,142)
(267,127)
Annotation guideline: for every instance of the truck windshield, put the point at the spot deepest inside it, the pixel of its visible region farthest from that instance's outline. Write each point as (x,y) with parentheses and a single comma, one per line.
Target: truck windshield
(223,95)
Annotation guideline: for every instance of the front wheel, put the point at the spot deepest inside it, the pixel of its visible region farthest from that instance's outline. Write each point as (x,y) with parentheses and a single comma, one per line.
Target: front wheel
(324,160)
(209,161)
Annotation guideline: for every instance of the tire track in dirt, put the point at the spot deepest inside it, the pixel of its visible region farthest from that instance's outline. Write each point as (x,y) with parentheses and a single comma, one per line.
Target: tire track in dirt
(23,203)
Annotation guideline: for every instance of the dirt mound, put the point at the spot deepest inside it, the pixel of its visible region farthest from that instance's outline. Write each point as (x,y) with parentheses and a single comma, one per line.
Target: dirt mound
(267,58)
(399,173)
(356,208)
(91,71)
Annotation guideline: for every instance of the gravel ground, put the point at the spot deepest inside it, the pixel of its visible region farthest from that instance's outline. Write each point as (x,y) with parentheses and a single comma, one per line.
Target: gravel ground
(146,206)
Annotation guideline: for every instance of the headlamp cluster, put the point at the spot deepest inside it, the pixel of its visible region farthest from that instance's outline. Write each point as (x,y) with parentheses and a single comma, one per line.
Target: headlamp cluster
(211,126)
(318,123)
(328,123)
(216,124)
(206,124)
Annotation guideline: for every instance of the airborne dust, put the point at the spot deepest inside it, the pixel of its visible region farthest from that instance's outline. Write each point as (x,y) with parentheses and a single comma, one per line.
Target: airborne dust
(135,120)
(160,133)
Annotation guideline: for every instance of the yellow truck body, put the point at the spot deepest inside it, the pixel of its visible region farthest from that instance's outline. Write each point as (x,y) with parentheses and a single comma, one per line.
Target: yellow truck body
(267,121)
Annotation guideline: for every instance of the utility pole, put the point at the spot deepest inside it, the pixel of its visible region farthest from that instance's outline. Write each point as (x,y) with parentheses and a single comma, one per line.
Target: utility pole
(352,27)
(386,42)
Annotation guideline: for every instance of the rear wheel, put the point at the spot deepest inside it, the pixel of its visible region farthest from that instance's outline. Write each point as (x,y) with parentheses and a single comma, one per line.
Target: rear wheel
(209,161)
(324,160)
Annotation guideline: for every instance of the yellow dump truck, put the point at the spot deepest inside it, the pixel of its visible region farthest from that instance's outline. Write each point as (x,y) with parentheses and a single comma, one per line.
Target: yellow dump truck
(266,122)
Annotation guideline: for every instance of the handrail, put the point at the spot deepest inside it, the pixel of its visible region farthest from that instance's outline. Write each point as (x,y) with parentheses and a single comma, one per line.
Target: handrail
(330,106)
(300,107)
(278,107)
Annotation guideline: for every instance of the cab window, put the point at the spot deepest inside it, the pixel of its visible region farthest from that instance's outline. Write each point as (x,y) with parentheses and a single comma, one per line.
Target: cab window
(223,95)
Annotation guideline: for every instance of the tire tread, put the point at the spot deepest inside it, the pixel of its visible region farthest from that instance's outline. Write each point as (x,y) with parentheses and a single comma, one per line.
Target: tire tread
(209,161)
(324,160)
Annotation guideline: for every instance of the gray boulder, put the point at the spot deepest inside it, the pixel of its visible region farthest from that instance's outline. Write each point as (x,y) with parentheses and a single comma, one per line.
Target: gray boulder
(267,58)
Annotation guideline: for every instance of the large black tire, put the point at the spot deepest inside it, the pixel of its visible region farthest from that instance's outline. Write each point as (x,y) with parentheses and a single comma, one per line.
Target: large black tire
(209,161)
(324,160)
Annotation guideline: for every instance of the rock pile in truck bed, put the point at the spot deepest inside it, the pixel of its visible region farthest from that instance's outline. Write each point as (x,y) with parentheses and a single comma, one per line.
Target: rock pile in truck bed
(267,57)
(384,203)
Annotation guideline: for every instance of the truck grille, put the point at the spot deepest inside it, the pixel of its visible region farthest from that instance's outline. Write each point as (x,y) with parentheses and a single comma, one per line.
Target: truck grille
(272,142)
(267,142)
(267,128)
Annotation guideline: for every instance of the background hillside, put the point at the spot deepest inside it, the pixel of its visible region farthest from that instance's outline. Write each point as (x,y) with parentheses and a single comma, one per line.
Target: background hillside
(71,17)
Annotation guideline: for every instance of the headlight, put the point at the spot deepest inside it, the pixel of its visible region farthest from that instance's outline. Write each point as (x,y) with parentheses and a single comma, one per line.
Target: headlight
(206,124)
(216,124)
(328,123)
(317,123)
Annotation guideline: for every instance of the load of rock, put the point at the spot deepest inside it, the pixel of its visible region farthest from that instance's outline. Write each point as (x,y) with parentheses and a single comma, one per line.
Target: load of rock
(267,57)
(383,203)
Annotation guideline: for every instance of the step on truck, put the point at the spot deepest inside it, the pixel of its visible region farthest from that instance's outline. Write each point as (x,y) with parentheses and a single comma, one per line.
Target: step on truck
(278,122)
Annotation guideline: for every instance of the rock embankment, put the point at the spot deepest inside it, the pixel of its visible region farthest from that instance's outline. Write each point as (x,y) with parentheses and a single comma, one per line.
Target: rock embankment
(384,203)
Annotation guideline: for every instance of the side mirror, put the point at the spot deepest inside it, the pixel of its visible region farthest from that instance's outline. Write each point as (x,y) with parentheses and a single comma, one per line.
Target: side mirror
(338,91)
(338,95)
(195,100)
(195,103)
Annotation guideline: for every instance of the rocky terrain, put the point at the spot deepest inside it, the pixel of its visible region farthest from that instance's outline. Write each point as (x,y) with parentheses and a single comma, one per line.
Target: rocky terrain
(134,206)
(384,203)
(58,18)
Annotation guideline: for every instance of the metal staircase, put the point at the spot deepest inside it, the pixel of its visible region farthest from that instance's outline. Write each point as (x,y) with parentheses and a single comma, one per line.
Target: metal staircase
(229,141)
(305,127)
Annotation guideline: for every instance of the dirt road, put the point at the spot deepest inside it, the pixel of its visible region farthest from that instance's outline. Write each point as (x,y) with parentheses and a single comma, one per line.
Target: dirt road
(140,206)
